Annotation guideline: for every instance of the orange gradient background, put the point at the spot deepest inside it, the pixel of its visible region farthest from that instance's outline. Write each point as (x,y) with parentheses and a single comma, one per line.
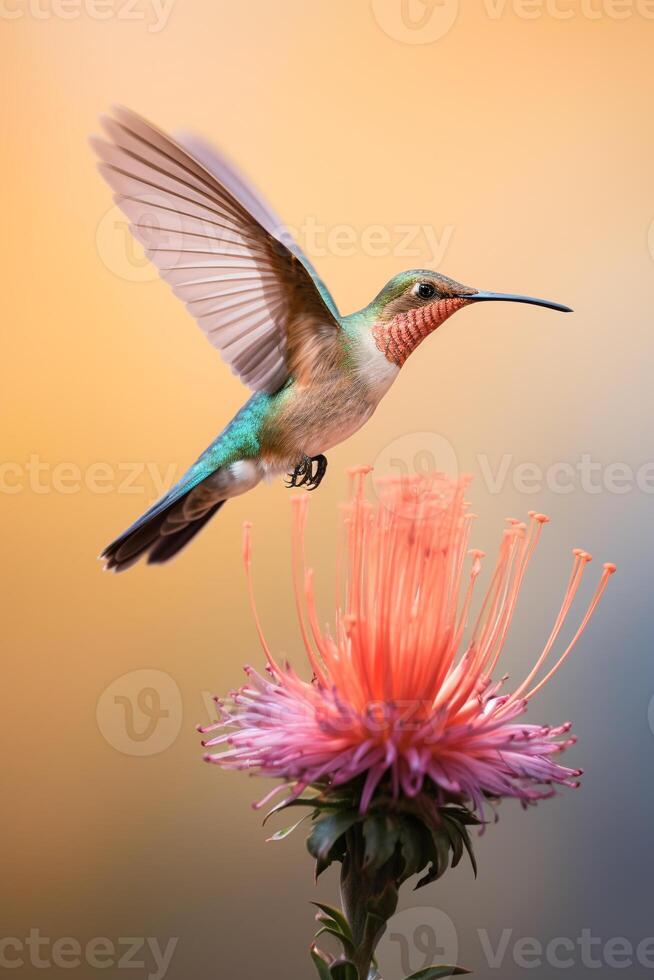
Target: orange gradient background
(528,143)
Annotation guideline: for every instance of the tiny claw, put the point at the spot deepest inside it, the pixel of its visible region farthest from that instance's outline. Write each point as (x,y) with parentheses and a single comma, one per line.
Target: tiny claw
(304,475)
(317,476)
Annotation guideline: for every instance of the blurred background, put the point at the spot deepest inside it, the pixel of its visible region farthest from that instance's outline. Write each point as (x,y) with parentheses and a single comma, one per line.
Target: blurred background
(508,144)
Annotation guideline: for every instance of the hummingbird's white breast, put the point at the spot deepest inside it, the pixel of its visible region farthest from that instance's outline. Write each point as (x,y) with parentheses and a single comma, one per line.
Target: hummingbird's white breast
(376,371)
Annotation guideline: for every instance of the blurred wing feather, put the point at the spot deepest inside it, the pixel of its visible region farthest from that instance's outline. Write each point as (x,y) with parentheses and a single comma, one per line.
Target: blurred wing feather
(221,249)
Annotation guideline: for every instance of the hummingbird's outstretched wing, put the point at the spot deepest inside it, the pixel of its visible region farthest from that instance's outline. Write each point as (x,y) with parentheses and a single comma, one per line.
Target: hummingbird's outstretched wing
(223,251)
(237,184)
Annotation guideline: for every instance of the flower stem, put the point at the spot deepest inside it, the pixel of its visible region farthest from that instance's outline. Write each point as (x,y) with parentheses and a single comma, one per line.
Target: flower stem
(369,898)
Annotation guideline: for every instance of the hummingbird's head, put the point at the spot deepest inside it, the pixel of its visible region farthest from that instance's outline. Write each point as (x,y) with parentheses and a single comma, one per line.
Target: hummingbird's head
(414,304)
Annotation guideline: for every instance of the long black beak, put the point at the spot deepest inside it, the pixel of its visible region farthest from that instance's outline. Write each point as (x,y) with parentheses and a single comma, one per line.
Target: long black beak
(512,298)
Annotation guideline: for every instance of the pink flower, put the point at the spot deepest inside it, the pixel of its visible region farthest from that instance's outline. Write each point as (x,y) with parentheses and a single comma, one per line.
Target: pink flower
(403,697)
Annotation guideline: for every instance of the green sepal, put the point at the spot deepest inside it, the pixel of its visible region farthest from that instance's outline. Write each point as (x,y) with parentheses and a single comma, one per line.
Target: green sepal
(455,835)
(326,842)
(336,916)
(381,834)
(436,972)
(416,846)
(347,944)
(317,803)
(467,843)
(287,831)
(322,963)
(458,833)
(439,857)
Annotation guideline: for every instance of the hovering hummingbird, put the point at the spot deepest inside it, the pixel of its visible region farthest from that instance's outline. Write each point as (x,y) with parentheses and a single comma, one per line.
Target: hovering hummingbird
(317,376)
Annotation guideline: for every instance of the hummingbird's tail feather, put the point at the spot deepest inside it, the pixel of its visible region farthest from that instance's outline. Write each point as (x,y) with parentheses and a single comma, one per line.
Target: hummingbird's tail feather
(163,530)
(168,545)
(160,533)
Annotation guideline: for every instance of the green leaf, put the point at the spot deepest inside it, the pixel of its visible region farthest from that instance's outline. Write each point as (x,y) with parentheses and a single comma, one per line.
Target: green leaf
(440,858)
(343,970)
(416,845)
(467,843)
(381,834)
(314,802)
(462,815)
(287,831)
(327,831)
(458,832)
(435,972)
(347,944)
(455,833)
(336,916)
(321,962)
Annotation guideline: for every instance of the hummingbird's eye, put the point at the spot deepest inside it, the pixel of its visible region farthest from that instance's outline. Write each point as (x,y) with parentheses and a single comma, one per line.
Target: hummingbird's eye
(425,290)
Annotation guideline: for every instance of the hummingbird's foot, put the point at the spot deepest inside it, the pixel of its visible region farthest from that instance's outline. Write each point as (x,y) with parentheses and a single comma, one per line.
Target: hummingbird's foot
(301,474)
(304,474)
(316,476)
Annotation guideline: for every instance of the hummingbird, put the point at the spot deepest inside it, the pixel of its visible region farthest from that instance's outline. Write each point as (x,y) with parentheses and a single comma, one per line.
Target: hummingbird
(316,375)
